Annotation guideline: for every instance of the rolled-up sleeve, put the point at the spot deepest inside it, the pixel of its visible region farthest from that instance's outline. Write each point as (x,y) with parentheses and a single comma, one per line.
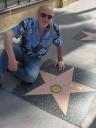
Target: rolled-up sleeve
(20,28)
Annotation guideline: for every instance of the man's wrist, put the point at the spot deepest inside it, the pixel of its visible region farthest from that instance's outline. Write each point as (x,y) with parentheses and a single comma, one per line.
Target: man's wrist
(60,59)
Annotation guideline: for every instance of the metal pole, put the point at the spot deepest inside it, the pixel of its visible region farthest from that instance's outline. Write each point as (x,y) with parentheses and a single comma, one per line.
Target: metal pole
(18,2)
(5,3)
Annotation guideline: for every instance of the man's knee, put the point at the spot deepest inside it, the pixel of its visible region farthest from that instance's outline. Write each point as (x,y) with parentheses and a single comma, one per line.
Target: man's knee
(31,77)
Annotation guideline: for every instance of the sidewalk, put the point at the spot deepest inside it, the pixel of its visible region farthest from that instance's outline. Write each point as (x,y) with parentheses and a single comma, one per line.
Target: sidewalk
(17,112)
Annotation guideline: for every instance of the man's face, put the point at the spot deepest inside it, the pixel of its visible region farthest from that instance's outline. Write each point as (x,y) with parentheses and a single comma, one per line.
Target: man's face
(45,17)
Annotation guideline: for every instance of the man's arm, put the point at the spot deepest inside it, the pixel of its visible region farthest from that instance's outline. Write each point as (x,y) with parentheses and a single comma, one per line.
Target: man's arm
(8,40)
(60,62)
(58,43)
(60,52)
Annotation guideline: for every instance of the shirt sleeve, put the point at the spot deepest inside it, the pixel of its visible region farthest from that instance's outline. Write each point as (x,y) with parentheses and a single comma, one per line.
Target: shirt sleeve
(19,29)
(57,36)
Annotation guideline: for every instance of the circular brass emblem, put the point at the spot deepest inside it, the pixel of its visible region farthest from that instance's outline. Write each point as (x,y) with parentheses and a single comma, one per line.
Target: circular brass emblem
(55,88)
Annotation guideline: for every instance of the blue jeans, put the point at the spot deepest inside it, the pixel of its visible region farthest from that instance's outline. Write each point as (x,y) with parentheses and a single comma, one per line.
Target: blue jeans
(31,65)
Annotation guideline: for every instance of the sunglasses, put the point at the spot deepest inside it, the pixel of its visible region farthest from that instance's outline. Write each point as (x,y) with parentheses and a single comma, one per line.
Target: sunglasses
(43,15)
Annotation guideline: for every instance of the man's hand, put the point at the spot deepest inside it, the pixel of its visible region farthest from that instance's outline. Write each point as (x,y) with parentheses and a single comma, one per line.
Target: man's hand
(19,64)
(12,65)
(60,62)
(60,65)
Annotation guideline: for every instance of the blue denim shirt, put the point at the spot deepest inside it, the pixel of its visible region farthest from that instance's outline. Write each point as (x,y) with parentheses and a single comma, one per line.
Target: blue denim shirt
(31,41)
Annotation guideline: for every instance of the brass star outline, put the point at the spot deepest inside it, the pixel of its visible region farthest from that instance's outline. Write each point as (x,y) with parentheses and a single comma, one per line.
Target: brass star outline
(65,82)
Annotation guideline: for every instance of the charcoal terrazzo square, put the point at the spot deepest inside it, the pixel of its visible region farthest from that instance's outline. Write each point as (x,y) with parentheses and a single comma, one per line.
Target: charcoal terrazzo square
(79,102)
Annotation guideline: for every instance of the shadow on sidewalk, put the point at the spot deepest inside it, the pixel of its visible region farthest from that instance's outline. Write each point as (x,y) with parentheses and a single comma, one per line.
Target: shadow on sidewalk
(93,124)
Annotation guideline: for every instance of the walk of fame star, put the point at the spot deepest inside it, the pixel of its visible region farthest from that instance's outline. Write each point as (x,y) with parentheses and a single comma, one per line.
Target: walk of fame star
(89,36)
(60,87)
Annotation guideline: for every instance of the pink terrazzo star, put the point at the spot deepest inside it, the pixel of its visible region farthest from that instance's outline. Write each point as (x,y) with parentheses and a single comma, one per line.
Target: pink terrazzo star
(60,87)
(89,36)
